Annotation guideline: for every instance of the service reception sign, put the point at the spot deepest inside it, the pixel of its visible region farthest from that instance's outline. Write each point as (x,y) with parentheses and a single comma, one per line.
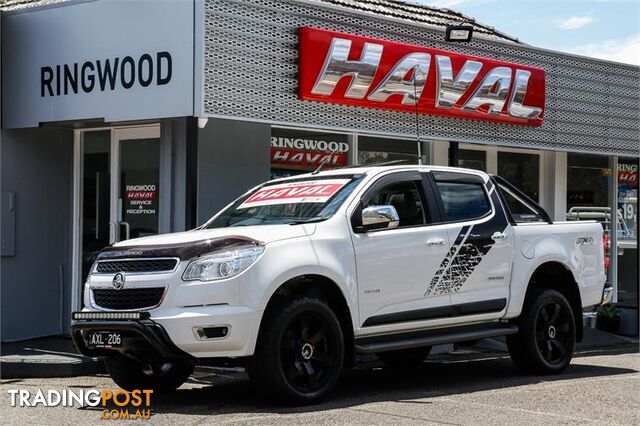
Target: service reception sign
(109,59)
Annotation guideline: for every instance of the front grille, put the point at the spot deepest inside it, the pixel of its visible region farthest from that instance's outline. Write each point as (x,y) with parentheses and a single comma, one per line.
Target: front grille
(136,265)
(128,298)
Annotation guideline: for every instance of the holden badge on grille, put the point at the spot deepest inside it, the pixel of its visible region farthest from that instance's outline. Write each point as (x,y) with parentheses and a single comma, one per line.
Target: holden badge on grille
(118,281)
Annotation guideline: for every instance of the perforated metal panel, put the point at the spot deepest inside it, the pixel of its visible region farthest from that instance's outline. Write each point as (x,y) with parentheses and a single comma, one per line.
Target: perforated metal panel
(251,73)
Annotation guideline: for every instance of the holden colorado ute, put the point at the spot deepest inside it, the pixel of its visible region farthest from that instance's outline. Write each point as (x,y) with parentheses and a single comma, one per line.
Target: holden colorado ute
(299,275)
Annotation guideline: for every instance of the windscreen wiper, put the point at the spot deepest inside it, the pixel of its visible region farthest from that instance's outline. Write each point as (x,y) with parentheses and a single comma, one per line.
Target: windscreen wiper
(309,220)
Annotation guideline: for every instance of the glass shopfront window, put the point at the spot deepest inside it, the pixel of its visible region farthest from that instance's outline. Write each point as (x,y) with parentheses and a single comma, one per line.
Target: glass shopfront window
(627,202)
(472,159)
(378,150)
(588,190)
(587,181)
(296,151)
(522,170)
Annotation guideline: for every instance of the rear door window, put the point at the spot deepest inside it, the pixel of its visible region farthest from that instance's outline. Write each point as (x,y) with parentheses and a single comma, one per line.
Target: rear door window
(463,201)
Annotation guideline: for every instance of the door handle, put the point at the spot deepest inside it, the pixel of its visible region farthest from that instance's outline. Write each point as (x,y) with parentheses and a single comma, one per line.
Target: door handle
(436,242)
(499,236)
(127,229)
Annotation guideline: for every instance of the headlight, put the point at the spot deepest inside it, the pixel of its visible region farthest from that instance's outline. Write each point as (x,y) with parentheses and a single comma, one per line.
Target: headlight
(222,264)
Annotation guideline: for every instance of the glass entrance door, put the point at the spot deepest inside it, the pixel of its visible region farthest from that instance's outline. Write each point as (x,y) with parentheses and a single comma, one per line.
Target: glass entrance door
(117,190)
(95,197)
(135,195)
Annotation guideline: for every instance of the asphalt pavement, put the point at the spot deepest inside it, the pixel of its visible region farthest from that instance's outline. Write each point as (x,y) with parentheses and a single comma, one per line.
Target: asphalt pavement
(600,386)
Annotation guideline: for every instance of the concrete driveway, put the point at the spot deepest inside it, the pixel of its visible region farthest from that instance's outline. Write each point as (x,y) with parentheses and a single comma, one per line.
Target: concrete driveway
(598,387)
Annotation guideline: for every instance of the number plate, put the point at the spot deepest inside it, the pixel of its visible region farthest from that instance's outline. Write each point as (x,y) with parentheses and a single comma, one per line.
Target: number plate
(104,339)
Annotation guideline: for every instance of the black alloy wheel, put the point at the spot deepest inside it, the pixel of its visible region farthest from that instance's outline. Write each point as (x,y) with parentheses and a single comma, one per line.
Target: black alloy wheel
(546,333)
(307,354)
(300,351)
(553,332)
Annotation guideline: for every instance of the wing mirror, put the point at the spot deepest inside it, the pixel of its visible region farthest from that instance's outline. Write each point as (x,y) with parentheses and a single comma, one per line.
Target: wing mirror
(380,217)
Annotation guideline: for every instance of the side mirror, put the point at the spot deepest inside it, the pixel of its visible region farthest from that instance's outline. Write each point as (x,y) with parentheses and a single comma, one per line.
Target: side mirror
(380,217)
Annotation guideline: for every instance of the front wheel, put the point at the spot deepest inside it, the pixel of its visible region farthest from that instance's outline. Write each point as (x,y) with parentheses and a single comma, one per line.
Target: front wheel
(546,338)
(130,374)
(300,351)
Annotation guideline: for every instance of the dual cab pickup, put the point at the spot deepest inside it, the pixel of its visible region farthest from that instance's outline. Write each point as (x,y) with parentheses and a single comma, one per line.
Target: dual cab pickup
(299,275)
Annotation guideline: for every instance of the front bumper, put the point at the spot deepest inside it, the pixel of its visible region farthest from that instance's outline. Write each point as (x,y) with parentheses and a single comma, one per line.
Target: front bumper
(174,331)
(142,337)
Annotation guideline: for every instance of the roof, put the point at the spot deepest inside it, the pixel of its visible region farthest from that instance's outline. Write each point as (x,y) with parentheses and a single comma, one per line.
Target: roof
(422,14)
(399,9)
(372,170)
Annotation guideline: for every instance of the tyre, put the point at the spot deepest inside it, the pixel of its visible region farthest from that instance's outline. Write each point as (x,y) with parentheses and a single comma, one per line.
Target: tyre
(129,374)
(546,337)
(405,357)
(299,353)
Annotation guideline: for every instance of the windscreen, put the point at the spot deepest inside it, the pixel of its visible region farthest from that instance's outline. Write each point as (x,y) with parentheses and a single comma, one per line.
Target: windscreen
(290,202)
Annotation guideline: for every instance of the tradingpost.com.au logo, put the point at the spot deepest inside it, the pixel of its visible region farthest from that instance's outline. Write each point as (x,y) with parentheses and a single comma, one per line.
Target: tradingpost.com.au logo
(113,405)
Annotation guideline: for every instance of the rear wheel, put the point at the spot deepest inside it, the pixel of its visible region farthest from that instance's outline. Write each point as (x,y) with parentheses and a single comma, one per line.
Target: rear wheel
(130,374)
(405,357)
(300,352)
(546,338)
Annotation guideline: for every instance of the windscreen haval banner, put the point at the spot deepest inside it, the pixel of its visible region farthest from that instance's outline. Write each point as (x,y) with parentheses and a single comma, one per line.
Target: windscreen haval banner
(366,72)
(312,191)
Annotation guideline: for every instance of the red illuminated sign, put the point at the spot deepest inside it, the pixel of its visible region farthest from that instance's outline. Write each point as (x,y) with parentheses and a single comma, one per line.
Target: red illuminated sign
(307,159)
(361,71)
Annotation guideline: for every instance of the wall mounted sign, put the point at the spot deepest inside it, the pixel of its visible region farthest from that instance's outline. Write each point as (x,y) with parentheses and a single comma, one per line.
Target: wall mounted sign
(302,150)
(109,59)
(366,72)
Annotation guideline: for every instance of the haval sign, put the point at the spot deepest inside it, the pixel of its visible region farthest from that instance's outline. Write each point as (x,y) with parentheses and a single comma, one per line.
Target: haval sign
(347,69)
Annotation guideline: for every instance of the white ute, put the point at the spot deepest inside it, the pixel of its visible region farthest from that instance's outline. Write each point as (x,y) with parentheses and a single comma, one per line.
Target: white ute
(299,275)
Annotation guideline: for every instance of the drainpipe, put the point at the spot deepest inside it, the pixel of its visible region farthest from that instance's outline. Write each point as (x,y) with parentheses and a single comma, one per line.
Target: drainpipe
(613,234)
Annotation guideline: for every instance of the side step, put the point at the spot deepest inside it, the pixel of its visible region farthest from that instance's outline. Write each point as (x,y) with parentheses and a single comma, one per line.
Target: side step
(416,339)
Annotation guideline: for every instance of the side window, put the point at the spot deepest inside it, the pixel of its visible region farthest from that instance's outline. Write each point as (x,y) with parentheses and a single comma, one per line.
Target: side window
(405,197)
(463,200)
(520,210)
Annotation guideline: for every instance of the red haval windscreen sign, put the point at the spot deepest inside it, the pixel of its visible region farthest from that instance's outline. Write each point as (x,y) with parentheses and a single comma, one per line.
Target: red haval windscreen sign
(366,72)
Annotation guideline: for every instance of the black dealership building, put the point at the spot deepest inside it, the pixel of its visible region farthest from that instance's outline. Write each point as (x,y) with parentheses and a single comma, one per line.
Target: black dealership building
(125,119)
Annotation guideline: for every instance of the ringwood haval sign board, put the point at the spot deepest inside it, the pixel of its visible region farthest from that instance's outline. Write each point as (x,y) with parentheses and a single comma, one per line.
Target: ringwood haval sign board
(360,71)
(117,60)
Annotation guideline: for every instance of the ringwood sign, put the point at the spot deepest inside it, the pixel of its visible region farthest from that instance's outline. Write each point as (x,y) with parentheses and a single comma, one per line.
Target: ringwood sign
(360,71)
(126,72)
(98,61)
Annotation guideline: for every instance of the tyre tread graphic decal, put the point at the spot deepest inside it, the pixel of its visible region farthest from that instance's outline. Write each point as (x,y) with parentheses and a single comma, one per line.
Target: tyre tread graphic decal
(440,279)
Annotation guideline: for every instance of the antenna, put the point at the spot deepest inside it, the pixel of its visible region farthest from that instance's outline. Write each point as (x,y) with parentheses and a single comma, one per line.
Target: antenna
(324,161)
(415,97)
(374,164)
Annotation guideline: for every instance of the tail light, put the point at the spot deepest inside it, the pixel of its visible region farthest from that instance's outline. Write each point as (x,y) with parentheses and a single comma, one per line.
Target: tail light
(605,249)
